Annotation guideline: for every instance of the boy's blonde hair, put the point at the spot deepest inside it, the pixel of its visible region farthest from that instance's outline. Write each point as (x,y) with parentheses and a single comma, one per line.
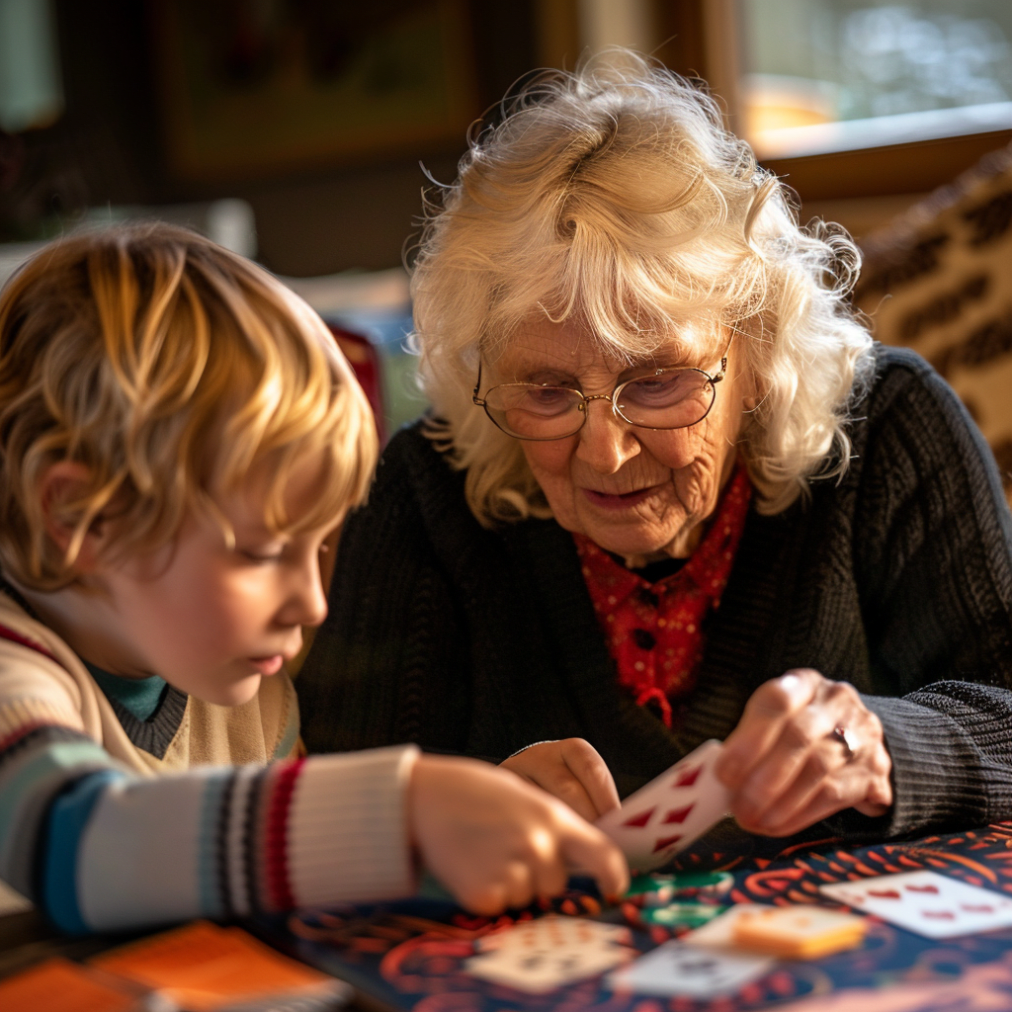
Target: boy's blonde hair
(168,367)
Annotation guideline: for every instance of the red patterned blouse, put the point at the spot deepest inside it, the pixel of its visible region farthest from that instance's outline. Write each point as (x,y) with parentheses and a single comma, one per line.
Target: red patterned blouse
(654,630)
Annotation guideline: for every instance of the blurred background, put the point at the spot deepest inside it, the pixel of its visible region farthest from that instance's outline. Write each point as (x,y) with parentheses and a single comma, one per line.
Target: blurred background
(302,132)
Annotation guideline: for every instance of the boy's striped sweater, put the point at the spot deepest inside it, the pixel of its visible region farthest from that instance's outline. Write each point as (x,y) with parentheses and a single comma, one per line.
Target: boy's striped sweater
(111,822)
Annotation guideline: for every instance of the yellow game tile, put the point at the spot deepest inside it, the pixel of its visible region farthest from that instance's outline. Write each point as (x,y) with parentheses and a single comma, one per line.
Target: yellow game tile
(799,932)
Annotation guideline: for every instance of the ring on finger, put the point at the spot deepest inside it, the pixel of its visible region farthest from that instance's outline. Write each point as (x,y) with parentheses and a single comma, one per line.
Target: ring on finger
(846,739)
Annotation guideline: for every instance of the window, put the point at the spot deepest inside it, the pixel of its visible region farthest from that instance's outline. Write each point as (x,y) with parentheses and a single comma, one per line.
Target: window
(837,75)
(31,95)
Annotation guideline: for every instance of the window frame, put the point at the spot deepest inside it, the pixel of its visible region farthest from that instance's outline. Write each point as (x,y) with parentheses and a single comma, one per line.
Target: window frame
(701,40)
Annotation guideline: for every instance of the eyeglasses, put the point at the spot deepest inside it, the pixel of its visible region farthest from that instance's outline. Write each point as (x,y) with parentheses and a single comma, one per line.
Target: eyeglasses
(663,399)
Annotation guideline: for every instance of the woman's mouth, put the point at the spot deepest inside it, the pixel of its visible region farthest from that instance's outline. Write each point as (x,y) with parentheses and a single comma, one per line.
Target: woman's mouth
(617,501)
(268,665)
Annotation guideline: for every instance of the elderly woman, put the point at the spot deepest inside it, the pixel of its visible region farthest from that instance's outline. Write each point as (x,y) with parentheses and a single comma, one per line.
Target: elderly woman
(671,490)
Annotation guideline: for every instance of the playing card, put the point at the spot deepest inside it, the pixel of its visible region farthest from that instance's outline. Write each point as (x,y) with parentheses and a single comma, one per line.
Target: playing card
(670,812)
(554,930)
(543,954)
(926,903)
(678,969)
(719,933)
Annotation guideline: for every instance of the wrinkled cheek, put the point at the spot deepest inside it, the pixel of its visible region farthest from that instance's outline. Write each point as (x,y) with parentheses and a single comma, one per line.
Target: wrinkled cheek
(552,473)
(694,485)
(674,450)
(549,460)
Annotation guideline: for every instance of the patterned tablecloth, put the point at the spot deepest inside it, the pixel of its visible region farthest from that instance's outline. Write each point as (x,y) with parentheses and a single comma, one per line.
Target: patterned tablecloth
(409,954)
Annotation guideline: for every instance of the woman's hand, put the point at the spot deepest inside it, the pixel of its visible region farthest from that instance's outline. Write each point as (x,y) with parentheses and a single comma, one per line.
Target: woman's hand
(496,842)
(572,770)
(787,767)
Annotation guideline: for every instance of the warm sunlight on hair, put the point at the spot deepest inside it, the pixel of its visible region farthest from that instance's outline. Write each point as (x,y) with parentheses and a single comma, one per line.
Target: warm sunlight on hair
(169,367)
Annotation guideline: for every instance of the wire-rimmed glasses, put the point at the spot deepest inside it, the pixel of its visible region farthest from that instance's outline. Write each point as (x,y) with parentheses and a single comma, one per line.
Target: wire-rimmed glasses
(662,399)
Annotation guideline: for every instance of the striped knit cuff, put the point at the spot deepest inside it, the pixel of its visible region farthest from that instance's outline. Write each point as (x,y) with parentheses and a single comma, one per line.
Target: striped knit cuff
(341,821)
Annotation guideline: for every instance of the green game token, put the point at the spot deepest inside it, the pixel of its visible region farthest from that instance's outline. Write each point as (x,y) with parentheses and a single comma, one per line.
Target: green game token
(688,915)
(658,890)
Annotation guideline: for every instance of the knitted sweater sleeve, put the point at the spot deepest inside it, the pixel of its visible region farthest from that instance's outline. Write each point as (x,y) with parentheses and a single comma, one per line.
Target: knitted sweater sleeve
(390,662)
(933,536)
(101,848)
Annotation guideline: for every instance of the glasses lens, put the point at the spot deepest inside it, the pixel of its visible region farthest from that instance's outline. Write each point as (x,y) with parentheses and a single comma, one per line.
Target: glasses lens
(669,399)
(529,411)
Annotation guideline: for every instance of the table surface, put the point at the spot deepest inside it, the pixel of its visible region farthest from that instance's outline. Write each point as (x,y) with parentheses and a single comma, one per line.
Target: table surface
(410,955)
(399,954)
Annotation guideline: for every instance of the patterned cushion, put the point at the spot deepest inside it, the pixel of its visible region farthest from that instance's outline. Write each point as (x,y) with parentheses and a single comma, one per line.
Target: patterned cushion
(939,279)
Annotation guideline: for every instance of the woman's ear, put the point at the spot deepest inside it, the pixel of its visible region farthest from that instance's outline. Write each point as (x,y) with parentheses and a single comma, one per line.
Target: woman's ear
(749,392)
(63,483)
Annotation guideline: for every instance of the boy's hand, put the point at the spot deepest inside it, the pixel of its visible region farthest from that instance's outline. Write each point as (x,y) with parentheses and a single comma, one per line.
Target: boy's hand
(496,842)
(572,770)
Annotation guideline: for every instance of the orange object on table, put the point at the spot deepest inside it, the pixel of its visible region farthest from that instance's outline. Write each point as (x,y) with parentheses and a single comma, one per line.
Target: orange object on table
(202,967)
(58,985)
(799,932)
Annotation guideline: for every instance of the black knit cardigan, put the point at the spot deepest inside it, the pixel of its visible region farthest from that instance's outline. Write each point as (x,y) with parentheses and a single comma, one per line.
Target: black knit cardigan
(897,579)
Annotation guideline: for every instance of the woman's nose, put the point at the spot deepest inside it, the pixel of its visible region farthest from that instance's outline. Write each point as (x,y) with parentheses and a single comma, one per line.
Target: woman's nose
(606,441)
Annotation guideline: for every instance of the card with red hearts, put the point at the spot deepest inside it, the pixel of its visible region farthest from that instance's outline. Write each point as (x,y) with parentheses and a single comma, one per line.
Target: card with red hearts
(926,903)
(540,955)
(670,812)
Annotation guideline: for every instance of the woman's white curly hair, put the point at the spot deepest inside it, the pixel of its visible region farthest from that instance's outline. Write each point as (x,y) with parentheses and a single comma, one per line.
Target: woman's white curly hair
(614,195)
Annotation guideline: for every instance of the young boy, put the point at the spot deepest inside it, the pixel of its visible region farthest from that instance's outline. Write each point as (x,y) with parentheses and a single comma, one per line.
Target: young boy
(178,437)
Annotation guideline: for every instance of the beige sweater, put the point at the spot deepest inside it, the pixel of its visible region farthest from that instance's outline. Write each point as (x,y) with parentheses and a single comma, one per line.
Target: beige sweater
(122,838)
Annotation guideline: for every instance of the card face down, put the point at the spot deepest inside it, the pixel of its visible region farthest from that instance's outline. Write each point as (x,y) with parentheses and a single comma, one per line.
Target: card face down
(926,903)
(671,811)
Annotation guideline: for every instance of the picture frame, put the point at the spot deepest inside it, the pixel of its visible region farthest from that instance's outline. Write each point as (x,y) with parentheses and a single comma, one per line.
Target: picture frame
(267,89)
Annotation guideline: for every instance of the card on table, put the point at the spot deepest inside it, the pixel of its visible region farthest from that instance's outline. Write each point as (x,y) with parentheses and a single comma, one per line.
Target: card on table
(671,811)
(926,903)
(676,969)
(719,932)
(543,954)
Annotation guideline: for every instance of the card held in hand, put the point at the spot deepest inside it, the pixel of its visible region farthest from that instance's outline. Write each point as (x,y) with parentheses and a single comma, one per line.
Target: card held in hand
(671,811)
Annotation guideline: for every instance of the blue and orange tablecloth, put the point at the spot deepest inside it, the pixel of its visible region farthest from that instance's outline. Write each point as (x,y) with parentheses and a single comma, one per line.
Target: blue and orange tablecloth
(409,955)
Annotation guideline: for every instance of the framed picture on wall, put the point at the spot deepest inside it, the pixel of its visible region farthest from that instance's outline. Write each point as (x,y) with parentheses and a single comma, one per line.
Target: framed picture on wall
(252,89)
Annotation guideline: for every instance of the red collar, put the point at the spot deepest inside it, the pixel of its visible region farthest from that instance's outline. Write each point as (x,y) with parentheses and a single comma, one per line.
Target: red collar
(655,631)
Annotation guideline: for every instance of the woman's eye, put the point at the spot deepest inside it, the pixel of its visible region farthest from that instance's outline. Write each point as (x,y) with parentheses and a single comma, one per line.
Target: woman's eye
(664,389)
(545,395)
(547,399)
